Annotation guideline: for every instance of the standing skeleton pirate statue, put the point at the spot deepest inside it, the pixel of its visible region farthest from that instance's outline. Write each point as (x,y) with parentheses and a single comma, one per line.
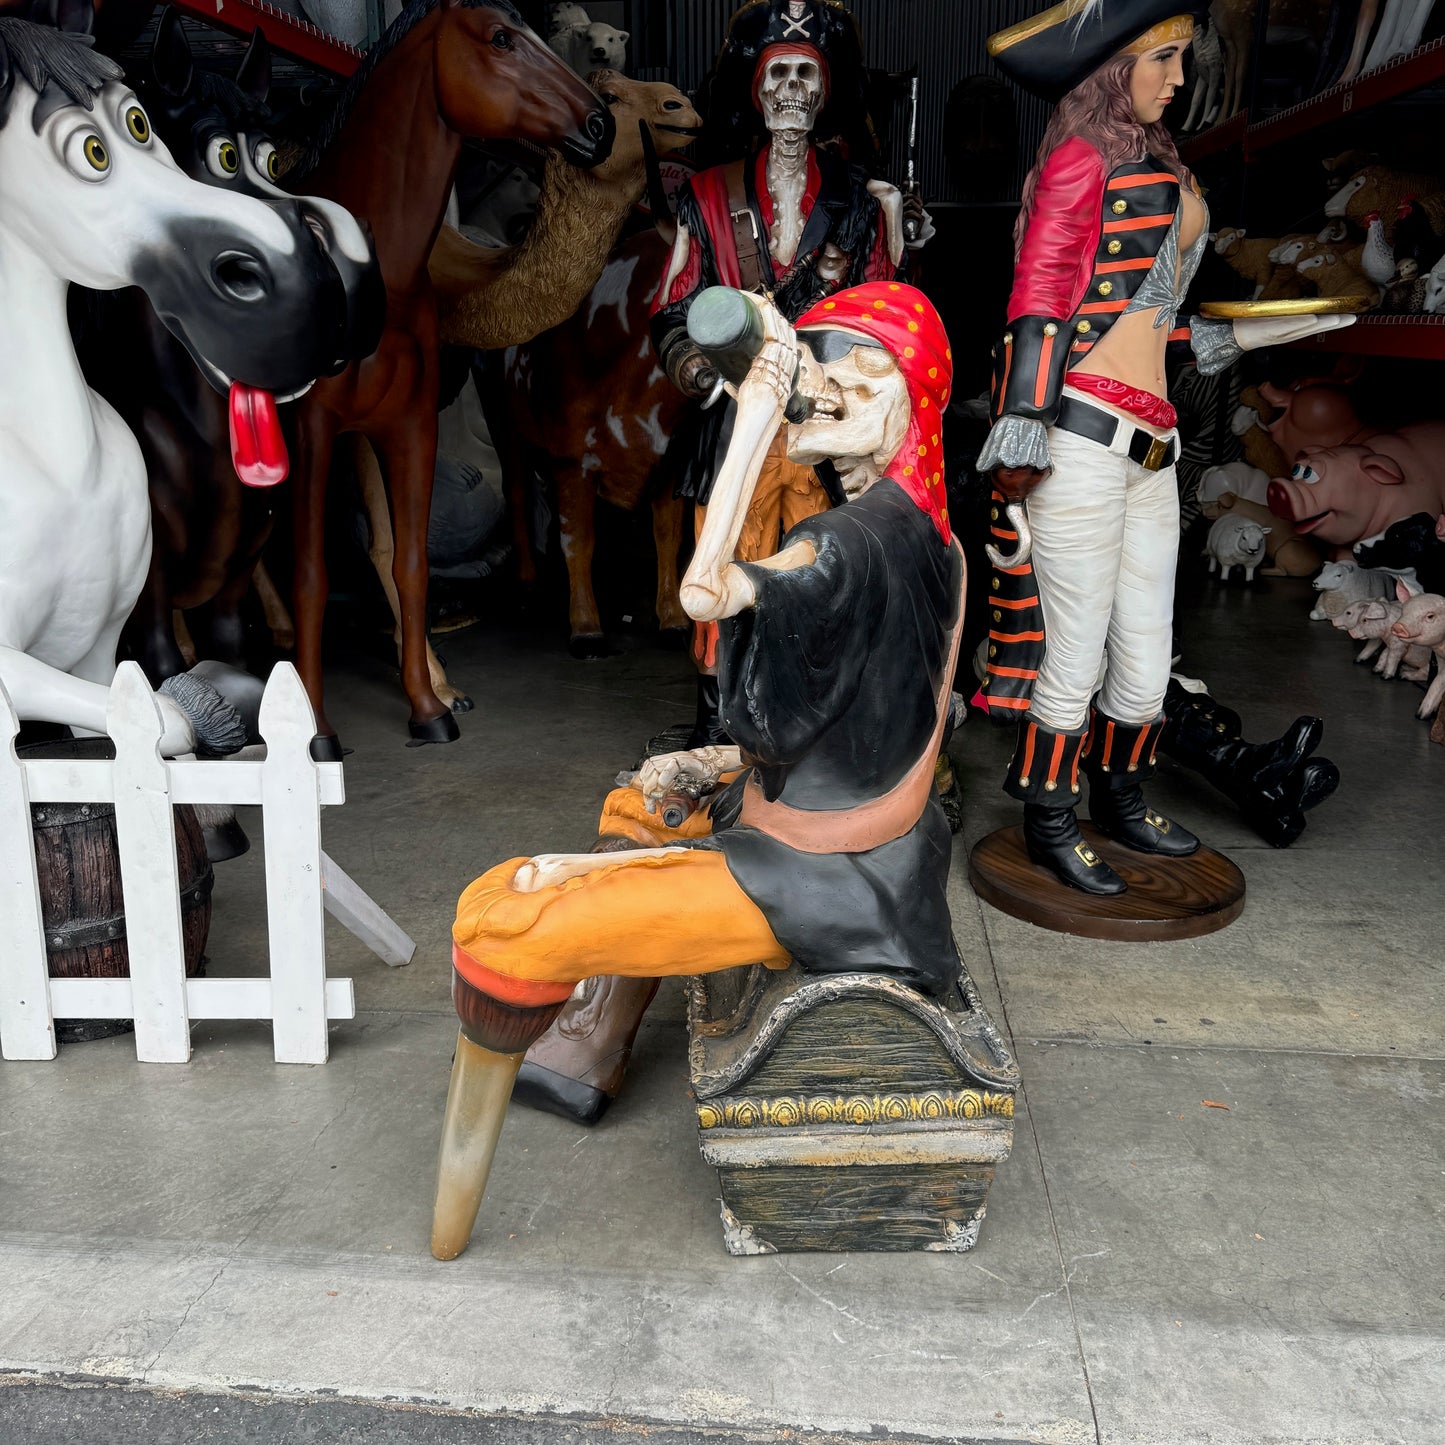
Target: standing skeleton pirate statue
(1109,238)
(795,221)
(826,844)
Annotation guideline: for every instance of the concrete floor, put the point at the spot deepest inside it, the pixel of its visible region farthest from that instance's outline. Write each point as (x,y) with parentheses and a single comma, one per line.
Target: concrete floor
(1151,1270)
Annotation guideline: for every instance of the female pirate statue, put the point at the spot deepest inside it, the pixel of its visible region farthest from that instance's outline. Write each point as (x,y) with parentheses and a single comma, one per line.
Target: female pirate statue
(1109,237)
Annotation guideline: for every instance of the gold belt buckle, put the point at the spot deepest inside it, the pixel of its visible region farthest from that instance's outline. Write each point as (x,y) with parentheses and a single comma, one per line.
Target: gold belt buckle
(1158,450)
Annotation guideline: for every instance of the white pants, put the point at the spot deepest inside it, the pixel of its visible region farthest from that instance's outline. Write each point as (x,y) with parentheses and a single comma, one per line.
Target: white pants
(1106,543)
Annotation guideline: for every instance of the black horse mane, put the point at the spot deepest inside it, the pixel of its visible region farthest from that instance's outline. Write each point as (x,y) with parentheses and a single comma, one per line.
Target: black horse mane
(41,56)
(239,108)
(412,16)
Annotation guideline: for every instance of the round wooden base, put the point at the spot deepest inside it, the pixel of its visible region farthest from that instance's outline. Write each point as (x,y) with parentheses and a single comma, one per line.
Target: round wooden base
(1167,898)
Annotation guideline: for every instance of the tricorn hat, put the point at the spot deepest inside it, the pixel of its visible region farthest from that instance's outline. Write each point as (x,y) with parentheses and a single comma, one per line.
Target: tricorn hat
(1052,52)
(824,27)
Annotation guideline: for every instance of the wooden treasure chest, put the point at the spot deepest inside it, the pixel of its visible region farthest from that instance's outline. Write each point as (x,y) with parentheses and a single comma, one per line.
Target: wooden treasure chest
(848,1111)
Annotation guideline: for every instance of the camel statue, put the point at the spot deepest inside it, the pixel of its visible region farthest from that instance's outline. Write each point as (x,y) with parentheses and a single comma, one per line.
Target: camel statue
(489,298)
(580,215)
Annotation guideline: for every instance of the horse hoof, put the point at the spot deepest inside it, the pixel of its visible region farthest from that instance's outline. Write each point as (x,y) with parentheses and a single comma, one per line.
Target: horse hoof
(440,729)
(225,840)
(589,645)
(461,703)
(326,748)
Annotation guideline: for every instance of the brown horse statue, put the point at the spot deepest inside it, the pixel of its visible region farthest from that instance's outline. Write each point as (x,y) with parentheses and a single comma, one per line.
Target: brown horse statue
(444,71)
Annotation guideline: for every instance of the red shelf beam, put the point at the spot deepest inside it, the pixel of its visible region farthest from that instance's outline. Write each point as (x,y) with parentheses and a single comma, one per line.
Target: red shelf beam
(1418,338)
(1400,77)
(1221,137)
(297,38)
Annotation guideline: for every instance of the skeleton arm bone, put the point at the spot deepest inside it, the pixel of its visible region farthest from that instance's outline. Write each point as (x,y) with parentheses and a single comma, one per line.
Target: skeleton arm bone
(890,199)
(713,587)
(548,869)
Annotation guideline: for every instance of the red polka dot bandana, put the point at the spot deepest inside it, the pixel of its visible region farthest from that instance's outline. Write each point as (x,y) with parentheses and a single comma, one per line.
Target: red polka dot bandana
(903,320)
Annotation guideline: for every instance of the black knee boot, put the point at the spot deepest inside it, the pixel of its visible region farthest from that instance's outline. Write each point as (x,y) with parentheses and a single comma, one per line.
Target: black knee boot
(1044,776)
(1118,759)
(708,729)
(1271,783)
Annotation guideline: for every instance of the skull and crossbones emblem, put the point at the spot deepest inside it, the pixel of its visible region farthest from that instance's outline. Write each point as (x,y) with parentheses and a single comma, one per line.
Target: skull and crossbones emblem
(797,21)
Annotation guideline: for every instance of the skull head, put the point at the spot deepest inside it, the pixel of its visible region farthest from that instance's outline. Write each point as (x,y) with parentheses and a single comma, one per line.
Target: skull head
(791,92)
(860,410)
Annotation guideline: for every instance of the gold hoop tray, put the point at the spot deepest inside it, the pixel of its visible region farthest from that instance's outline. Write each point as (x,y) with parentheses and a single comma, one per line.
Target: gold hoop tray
(1302,306)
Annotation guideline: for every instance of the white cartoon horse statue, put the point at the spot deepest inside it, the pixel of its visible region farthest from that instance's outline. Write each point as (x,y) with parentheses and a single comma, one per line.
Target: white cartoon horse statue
(88,195)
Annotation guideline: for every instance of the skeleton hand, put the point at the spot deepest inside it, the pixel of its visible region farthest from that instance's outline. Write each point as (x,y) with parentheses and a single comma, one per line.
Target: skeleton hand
(697,376)
(774,369)
(918,227)
(661,775)
(1253,332)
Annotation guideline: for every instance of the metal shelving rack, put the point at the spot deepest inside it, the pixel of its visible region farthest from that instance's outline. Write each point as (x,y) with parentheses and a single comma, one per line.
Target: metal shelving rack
(1254,143)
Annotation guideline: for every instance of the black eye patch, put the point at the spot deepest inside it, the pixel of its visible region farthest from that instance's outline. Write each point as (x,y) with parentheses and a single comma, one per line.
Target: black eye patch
(827,343)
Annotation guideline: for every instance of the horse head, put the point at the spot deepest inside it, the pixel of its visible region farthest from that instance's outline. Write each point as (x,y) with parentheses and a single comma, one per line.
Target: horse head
(220,132)
(496,78)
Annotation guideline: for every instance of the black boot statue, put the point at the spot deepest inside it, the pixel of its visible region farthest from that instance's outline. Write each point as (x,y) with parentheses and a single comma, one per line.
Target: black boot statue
(1044,776)
(1118,759)
(708,730)
(1273,783)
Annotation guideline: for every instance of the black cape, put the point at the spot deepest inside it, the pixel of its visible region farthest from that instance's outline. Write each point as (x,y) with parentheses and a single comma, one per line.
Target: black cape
(829,684)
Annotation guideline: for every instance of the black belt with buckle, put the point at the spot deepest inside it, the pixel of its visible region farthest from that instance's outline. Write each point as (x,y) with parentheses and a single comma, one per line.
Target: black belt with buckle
(1097,425)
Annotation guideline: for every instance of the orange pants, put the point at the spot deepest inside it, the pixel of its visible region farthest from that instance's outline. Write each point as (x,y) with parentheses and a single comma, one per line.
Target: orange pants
(785,495)
(641,917)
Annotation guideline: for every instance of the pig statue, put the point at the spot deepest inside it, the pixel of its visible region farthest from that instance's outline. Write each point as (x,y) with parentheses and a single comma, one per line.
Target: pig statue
(1417,543)
(1422,624)
(1235,541)
(1341,583)
(1372,622)
(1313,412)
(1344,493)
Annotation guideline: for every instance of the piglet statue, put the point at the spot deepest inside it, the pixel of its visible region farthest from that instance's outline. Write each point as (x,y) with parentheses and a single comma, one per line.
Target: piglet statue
(1372,622)
(1422,624)
(1343,494)
(1235,541)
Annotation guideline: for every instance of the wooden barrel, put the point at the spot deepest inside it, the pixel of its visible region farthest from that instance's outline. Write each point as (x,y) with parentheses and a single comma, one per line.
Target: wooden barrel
(78,863)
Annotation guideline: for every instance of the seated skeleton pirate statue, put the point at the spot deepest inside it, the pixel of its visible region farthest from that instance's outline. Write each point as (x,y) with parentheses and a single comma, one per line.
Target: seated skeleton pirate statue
(796,217)
(826,844)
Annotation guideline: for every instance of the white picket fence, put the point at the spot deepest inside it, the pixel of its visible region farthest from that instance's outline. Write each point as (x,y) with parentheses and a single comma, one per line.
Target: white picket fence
(301,883)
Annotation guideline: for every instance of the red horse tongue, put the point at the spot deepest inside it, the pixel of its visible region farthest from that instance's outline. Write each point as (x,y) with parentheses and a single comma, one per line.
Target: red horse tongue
(258,450)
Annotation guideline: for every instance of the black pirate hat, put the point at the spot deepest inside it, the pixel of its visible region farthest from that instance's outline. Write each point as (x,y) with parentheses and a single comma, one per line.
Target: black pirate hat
(826,27)
(1062,46)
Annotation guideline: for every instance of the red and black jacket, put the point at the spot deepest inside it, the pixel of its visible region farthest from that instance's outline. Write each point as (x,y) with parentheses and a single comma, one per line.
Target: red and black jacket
(1091,240)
